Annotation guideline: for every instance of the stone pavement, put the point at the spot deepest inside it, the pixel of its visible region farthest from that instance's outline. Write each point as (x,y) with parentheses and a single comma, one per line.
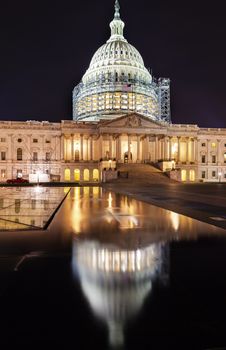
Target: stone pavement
(202,201)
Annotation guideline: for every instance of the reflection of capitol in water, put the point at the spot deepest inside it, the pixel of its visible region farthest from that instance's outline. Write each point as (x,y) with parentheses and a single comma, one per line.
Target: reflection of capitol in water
(117,281)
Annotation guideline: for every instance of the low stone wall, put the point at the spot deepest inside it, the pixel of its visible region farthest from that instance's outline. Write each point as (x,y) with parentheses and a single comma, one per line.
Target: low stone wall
(174,175)
(109,175)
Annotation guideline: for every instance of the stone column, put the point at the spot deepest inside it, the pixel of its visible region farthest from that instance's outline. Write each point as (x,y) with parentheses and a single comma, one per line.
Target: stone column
(91,147)
(55,153)
(72,148)
(178,149)
(81,146)
(170,147)
(147,154)
(100,146)
(87,147)
(187,149)
(9,156)
(62,147)
(156,148)
(166,148)
(138,148)
(208,149)
(110,147)
(129,148)
(218,152)
(195,150)
(43,148)
(120,148)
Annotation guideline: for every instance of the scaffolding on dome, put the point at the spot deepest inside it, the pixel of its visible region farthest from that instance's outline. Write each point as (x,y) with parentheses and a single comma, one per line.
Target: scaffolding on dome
(105,97)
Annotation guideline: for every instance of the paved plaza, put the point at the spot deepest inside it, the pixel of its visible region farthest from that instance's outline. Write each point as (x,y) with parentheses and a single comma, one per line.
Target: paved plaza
(202,201)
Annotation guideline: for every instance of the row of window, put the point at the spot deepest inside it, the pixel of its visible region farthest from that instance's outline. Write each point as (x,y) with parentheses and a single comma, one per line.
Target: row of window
(33,203)
(77,175)
(213,144)
(34,140)
(214,174)
(19,140)
(214,158)
(20,155)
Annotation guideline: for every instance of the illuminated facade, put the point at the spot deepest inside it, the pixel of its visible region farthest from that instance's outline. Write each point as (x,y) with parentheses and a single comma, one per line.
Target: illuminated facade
(117,82)
(120,115)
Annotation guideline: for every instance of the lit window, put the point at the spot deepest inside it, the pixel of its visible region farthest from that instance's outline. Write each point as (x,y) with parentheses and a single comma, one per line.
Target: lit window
(3,173)
(224,157)
(19,173)
(183,175)
(213,145)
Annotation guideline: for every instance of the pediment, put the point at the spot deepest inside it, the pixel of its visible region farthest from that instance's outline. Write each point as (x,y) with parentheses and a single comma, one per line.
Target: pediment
(132,120)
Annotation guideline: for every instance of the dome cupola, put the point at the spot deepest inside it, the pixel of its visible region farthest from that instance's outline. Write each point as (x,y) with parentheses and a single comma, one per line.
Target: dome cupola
(116,82)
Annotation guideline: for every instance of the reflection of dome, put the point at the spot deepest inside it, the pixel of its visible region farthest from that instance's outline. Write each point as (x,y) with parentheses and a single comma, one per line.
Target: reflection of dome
(116,282)
(116,81)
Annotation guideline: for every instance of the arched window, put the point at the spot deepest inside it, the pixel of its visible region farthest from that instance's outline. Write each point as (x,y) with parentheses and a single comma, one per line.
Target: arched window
(95,175)
(86,175)
(67,175)
(183,175)
(19,154)
(192,175)
(77,175)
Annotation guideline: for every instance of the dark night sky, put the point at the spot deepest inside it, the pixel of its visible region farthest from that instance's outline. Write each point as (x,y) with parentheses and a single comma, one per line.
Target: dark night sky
(46,46)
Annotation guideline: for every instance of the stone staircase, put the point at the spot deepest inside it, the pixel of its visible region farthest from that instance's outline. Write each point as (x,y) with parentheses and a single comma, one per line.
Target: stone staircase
(144,173)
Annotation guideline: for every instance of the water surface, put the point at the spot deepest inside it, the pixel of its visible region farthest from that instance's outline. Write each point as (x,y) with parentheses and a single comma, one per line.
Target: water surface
(113,272)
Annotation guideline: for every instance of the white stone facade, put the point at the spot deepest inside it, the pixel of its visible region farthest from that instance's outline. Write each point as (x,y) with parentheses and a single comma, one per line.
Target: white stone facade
(77,151)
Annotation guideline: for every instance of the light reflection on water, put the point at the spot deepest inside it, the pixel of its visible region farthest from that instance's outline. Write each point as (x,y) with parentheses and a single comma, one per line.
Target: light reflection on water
(117,281)
(28,207)
(121,250)
(110,216)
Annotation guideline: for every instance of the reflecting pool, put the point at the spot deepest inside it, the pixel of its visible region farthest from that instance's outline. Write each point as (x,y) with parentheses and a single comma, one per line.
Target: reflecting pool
(111,272)
(24,208)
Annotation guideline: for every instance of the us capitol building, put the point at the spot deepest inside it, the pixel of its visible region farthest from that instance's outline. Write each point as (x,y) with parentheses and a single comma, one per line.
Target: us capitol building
(121,114)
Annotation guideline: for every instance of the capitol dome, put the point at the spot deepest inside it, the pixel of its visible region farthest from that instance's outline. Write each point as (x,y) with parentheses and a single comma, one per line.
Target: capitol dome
(116,81)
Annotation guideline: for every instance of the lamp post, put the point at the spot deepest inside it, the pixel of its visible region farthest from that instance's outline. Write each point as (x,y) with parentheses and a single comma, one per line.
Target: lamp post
(219,176)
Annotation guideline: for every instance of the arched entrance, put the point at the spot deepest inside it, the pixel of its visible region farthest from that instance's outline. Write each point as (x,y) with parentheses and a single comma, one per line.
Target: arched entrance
(77,175)
(95,175)
(86,175)
(67,175)
(128,157)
